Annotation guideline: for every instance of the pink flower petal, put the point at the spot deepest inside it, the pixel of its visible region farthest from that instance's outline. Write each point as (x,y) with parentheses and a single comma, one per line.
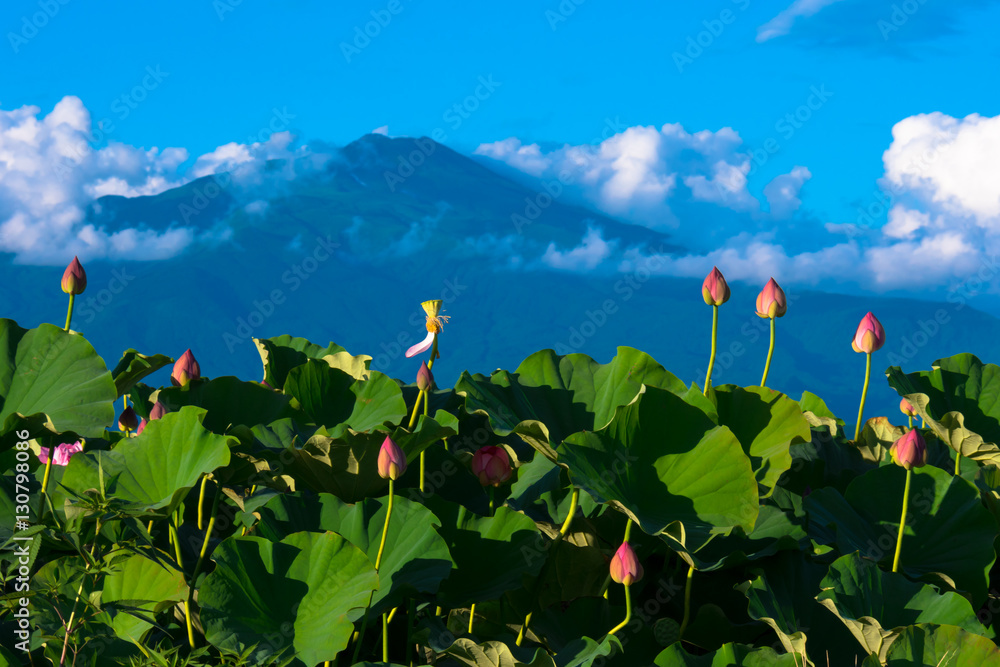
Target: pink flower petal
(422,346)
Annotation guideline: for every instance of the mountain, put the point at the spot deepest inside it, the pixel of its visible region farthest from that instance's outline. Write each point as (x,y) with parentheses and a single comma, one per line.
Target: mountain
(347,253)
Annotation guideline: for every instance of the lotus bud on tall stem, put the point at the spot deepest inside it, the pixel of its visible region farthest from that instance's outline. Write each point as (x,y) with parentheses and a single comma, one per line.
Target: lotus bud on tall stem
(625,570)
(715,291)
(869,338)
(907,409)
(772,304)
(909,452)
(74,281)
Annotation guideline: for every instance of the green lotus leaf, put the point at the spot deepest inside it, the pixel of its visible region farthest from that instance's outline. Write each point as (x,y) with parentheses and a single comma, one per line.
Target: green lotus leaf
(877,438)
(136,590)
(229,401)
(543,492)
(495,654)
(550,396)
(775,530)
(930,645)
(58,374)
(876,606)
(301,594)
(153,470)
(134,366)
(416,558)
(329,396)
(948,531)
(729,655)
(663,462)
(283,353)
(767,423)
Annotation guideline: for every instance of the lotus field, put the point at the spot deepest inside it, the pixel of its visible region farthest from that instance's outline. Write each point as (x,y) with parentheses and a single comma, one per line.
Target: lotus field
(567,513)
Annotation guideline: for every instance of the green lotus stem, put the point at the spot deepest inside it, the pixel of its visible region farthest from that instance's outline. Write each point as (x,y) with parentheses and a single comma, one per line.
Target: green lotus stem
(628,613)
(628,530)
(385,637)
(378,563)
(711,358)
(911,421)
(416,407)
(392,614)
(201,556)
(79,592)
(770,353)
(864,394)
(149,527)
(958,462)
(69,312)
(201,499)
(574,501)
(45,483)
(902,522)
(687,602)
(411,610)
(472,616)
(180,563)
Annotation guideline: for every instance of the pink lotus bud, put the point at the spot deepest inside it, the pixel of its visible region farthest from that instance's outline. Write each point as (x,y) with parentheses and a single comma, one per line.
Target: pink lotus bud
(625,567)
(128,420)
(907,408)
(425,379)
(142,426)
(910,451)
(185,370)
(155,412)
(62,454)
(391,460)
(715,289)
(491,465)
(74,279)
(870,335)
(771,301)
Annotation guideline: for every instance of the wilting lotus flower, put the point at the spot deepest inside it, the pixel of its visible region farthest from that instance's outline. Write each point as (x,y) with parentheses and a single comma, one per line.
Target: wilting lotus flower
(156,412)
(185,369)
(435,323)
(625,567)
(74,279)
(771,301)
(425,379)
(715,289)
(870,335)
(62,454)
(128,420)
(491,465)
(910,451)
(907,408)
(391,460)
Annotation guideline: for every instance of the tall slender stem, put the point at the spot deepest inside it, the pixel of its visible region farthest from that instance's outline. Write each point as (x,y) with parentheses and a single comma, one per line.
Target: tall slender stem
(45,483)
(711,358)
(628,612)
(902,521)
(411,610)
(79,591)
(69,312)
(770,353)
(378,563)
(864,394)
(958,463)
(687,602)
(574,501)
(180,563)
(385,637)
(911,421)
(201,499)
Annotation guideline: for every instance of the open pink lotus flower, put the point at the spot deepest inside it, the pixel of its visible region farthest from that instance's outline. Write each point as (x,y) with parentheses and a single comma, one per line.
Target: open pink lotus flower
(435,323)
(62,454)
(625,566)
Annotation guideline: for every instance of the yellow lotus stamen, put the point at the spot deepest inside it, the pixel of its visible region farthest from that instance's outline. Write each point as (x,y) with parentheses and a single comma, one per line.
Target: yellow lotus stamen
(432,308)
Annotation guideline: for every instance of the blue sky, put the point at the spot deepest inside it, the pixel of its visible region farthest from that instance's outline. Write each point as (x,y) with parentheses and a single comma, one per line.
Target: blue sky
(210,73)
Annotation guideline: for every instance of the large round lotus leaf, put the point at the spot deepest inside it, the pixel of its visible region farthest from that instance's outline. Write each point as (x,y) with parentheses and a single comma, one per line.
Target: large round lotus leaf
(58,374)
(929,645)
(662,460)
(152,470)
(330,396)
(550,396)
(415,560)
(729,655)
(767,423)
(775,530)
(875,605)
(134,366)
(468,653)
(302,595)
(283,353)
(479,545)
(948,531)
(136,590)
(229,401)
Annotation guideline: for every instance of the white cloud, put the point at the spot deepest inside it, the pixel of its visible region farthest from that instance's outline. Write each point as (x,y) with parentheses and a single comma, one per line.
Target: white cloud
(782,193)
(384,130)
(783,22)
(592,250)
